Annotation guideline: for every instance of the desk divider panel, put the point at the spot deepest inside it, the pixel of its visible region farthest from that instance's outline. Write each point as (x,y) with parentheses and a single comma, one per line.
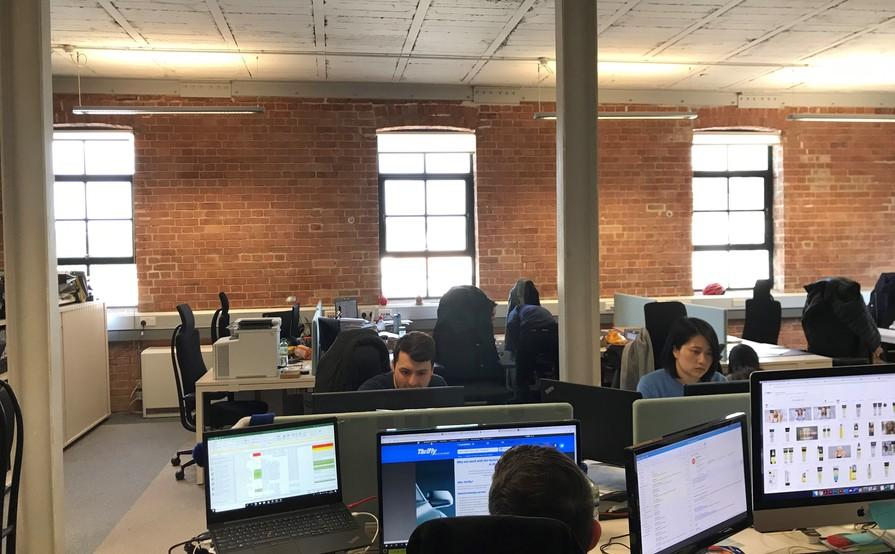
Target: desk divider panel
(357,435)
(628,310)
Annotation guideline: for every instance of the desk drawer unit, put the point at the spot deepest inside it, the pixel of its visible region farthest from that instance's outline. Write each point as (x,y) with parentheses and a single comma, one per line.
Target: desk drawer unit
(157,377)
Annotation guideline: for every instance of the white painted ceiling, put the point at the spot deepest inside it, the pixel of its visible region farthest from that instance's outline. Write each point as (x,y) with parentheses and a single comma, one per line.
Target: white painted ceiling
(726,45)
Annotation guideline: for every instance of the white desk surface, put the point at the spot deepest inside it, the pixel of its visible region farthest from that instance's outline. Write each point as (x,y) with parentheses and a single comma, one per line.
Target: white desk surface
(772,356)
(888,335)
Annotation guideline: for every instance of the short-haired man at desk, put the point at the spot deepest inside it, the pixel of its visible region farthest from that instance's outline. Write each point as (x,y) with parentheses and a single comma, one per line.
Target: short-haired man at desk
(411,366)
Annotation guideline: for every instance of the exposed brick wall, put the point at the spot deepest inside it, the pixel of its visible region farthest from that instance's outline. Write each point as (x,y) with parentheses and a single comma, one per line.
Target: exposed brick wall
(124,372)
(791,333)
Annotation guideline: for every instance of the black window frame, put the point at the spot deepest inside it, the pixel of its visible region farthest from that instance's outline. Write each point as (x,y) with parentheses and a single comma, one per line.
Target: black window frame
(768,244)
(468,178)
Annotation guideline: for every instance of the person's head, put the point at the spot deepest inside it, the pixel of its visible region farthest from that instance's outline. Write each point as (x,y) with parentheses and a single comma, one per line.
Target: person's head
(537,481)
(412,361)
(741,362)
(691,352)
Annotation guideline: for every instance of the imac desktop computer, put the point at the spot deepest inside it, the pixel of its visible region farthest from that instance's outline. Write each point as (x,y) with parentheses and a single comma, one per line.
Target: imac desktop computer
(823,445)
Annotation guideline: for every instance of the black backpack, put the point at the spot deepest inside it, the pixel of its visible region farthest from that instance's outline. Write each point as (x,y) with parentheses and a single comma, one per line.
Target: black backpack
(882,300)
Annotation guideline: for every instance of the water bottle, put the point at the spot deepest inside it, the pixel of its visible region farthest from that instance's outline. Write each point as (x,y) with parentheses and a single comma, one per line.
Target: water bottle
(396,320)
(284,353)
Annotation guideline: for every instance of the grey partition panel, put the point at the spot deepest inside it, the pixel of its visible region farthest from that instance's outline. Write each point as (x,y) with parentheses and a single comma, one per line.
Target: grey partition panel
(627,310)
(357,435)
(656,417)
(716,317)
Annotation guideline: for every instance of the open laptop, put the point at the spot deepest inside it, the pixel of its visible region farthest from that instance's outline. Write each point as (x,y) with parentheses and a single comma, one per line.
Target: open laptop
(446,472)
(277,488)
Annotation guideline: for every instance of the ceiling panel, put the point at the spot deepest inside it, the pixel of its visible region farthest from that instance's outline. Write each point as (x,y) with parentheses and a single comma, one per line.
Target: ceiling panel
(523,74)
(436,71)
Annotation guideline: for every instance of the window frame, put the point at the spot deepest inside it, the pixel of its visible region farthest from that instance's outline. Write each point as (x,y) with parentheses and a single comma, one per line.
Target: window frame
(470,250)
(88,261)
(768,244)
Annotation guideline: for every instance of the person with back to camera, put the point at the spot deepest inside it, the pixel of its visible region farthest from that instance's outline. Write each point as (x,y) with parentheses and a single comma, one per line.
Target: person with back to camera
(741,362)
(538,481)
(691,355)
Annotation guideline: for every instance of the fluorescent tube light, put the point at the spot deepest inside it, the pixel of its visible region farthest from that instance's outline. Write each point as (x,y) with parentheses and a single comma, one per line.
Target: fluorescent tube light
(165,110)
(629,115)
(843,118)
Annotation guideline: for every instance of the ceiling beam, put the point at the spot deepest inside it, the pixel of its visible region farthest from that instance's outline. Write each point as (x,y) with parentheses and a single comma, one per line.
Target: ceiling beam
(619,13)
(123,22)
(835,44)
(505,32)
(693,28)
(319,36)
(410,41)
(224,28)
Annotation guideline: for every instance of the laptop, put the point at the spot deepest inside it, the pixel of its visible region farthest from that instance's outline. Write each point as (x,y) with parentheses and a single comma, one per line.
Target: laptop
(277,488)
(446,472)
(691,489)
(605,415)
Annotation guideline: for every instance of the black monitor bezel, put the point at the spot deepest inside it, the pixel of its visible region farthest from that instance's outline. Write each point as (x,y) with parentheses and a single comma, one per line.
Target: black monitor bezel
(763,501)
(295,503)
(712,535)
(716,387)
(457,428)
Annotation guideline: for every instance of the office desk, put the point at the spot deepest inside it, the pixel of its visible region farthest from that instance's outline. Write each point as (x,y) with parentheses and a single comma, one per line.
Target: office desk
(772,356)
(749,540)
(887,335)
(208,384)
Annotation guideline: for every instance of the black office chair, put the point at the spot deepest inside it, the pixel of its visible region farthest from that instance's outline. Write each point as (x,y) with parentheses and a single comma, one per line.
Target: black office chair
(291,326)
(837,323)
(221,319)
(537,357)
(658,318)
(355,356)
(465,350)
(494,535)
(186,359)
(763,315)
(12,432)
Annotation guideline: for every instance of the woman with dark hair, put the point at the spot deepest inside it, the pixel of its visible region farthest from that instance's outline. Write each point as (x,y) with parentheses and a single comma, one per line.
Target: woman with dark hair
(691,355)
(741,362)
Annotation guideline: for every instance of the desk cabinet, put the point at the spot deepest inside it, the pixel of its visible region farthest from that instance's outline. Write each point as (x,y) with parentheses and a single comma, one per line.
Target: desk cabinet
(85,368)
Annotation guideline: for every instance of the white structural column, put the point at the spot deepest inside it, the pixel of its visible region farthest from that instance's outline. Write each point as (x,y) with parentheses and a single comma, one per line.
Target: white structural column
(30,265)
(576,191)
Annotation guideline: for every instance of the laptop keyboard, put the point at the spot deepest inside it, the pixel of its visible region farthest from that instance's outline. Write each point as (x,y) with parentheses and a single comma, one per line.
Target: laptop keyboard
(248,534)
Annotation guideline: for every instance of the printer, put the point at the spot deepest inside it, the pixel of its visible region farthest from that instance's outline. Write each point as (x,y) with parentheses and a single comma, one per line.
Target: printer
(250,351)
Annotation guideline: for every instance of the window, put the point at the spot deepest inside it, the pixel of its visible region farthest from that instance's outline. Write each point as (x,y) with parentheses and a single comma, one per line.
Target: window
(733,179)
(426,217)
(93,200)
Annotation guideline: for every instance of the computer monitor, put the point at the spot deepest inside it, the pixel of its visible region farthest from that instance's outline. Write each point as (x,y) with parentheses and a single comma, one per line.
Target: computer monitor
(605,416)
(447,472)
(823,445)
(290,320)
(690,489)
(346,307)
(390,399)
(716,387)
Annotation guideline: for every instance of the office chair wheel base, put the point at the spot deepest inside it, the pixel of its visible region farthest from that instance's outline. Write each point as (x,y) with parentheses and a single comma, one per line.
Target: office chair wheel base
(175,461)
(179,475)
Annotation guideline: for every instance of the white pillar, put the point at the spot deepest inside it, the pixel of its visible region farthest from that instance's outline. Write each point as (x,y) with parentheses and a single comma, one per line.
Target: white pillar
(30,263)
(576,191)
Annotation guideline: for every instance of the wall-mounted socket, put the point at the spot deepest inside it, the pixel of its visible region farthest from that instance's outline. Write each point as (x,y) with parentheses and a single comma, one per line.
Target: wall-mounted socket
(147,321)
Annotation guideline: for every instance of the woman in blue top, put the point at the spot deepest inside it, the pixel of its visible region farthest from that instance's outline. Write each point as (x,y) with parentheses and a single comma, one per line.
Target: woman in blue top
(691,355)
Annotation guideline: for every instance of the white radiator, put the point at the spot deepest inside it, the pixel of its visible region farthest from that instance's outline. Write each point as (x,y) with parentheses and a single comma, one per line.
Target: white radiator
(159,390)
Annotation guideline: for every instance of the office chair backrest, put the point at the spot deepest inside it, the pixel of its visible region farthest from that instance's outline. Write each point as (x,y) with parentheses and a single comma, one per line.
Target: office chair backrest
(12,442)
(882,300)
(523,292)
(355,356)
(659,316)
(538,351)
(186,351)
(494,535)
(837,322)
(465,350)
(763,315)
(220,321)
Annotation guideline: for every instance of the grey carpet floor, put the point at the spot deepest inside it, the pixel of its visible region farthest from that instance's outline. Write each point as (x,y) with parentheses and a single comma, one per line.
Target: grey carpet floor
(107,470)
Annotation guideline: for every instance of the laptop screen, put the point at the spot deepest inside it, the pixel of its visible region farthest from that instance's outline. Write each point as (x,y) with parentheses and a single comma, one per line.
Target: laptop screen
(440,473)
(265,469)
(691,489)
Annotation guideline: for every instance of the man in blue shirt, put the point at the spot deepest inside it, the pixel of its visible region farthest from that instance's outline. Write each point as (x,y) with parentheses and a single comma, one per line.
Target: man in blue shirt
(411,366)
